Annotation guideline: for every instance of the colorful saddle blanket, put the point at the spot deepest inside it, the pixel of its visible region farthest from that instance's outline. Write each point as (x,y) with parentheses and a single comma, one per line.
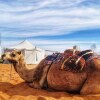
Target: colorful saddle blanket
(54,58)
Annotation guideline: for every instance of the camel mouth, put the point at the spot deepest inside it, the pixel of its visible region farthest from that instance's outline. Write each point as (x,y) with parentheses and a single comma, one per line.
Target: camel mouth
(9,61)
(5,58)
(12,61)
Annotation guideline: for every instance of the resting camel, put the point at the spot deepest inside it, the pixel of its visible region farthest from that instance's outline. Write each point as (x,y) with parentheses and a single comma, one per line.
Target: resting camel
(78,72)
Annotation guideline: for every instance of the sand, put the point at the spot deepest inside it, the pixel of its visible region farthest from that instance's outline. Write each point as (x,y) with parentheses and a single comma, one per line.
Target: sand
(14,88)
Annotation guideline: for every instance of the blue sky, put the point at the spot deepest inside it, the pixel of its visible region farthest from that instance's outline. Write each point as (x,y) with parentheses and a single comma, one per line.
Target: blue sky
(50,24)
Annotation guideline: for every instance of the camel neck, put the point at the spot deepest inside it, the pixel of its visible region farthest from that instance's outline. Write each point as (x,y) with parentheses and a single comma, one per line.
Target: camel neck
(20,65)
(24,72)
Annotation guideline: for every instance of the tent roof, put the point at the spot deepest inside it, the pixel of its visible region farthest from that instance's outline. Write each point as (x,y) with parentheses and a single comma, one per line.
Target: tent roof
(25,45)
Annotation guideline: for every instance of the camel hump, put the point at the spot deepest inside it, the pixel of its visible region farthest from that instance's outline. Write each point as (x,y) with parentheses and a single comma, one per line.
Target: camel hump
(86,54)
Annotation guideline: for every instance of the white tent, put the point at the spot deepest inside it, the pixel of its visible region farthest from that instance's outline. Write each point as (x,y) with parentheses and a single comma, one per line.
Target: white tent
(33,55)
(0,51)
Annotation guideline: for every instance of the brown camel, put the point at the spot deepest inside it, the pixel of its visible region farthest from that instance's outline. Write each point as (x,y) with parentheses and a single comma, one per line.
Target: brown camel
(72,73)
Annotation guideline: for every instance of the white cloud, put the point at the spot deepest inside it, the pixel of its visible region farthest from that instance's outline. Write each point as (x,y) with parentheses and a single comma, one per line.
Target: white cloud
(46,18)
(22,5)
(55,25)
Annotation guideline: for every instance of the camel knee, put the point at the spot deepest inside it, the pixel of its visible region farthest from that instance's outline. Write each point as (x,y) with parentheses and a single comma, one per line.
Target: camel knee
(44,75)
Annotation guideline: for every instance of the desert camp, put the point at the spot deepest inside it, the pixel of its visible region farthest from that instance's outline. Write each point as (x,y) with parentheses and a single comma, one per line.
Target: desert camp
(32,54)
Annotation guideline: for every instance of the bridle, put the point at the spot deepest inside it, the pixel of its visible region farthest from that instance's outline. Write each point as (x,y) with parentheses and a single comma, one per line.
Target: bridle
(12,65)
(11,70)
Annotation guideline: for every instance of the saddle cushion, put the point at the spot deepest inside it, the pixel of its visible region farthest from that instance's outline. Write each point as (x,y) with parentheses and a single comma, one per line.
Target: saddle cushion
(55,57)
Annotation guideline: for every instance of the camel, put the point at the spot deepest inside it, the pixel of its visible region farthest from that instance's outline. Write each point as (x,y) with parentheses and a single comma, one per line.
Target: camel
(73,73)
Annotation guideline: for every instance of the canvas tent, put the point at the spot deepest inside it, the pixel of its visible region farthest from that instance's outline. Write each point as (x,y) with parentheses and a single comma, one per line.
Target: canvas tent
(0,51)
(33,55)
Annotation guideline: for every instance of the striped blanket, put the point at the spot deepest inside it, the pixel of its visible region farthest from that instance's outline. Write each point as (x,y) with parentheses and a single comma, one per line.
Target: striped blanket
(54,58)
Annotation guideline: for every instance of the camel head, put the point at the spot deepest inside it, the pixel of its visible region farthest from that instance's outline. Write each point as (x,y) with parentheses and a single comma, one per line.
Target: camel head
(71,63)
(12,57)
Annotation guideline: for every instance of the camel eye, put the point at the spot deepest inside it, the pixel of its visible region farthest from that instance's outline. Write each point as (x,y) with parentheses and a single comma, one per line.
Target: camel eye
(12,55)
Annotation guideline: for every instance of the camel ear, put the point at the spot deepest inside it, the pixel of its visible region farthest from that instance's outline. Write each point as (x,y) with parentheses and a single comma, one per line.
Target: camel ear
(19,52)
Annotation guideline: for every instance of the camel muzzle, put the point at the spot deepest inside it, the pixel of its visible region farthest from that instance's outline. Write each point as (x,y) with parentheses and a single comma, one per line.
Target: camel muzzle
(2,57)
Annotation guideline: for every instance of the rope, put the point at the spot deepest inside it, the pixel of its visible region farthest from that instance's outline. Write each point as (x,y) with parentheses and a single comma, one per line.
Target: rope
(62,66)
(82,67)
(11,70)
(82,56)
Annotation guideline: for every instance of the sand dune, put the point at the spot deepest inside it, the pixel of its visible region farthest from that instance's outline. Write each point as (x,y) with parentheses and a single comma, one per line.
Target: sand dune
(16,89)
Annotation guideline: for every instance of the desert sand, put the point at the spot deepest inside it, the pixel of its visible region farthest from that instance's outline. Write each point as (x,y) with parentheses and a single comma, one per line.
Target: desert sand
(14,88)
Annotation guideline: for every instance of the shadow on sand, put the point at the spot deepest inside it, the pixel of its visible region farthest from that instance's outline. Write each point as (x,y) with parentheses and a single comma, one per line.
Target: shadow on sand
(23,89)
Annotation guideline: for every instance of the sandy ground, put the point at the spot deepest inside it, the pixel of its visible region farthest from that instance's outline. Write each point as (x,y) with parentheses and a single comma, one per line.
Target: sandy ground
(15,88)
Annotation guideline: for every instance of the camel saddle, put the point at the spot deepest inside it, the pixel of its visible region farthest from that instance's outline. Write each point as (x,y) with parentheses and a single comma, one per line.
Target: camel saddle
(87,54)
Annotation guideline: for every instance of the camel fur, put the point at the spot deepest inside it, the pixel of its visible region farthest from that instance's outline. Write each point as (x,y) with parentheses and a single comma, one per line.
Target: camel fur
(71,79)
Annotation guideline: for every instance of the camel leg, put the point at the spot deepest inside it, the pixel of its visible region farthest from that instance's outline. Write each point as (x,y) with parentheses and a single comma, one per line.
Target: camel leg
(92,84)
(44,76)
(39,84)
